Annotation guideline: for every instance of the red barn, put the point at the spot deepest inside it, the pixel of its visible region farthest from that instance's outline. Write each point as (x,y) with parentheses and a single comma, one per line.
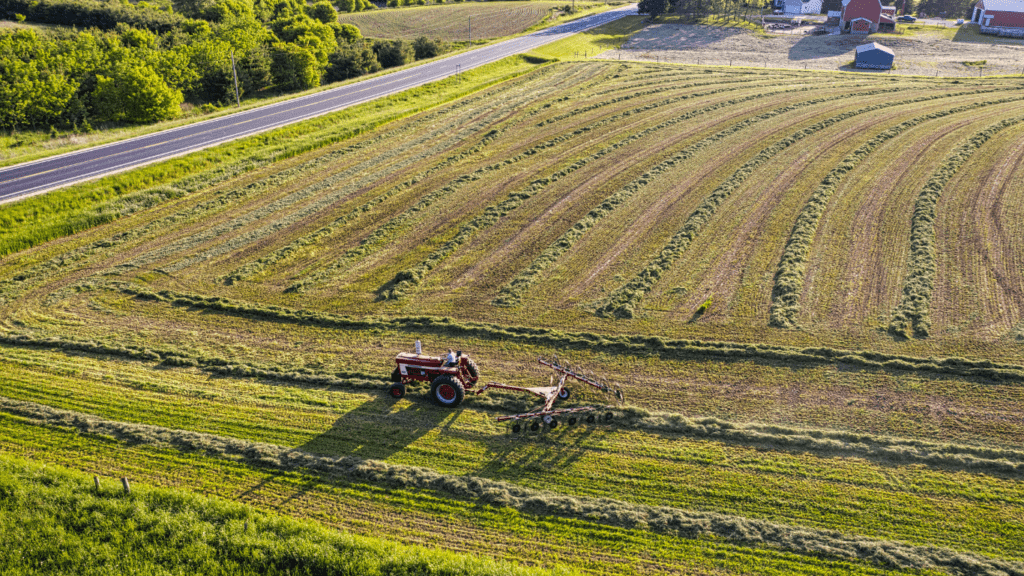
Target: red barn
(1002,17)
(866,16)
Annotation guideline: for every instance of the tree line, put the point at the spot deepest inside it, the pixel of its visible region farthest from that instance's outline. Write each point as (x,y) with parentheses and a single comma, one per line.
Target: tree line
(142,69)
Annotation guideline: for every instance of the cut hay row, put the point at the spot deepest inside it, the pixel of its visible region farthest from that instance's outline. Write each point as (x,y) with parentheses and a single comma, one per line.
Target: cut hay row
(624,301)
(661,468)
(512,292)
(483,491)
(408,279)
(326,231)
(648,92)
(666,348)
(911,316)
(980,263)
(366,246)
(789,277)
(416,516)
(452,132)
(824,443)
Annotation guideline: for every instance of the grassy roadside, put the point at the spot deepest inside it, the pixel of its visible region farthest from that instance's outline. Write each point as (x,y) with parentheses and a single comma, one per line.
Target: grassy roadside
(594,41)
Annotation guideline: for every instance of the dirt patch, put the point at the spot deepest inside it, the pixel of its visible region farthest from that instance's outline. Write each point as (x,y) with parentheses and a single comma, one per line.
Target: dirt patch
(928,55)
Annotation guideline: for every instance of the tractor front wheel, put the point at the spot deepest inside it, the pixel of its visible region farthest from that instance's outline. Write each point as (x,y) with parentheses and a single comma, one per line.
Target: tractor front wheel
(447,391)
(396,390)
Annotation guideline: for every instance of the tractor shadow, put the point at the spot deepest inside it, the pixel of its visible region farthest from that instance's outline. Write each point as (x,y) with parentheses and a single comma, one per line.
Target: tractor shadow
(538,453)
(380,427)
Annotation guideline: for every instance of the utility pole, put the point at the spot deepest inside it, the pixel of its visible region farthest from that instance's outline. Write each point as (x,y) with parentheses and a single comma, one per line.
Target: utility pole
(234,74)
(470,29)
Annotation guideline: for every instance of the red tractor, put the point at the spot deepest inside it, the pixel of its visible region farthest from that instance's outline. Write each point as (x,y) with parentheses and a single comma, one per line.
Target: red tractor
(448,381)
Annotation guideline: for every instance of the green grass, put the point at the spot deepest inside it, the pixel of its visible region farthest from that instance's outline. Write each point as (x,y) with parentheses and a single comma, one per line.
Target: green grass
(56,522)
(971,32)
(594,41)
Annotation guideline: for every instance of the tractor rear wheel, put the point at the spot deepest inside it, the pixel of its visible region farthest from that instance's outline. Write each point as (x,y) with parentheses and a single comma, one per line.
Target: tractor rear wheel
(396,376)
(396,390)
(447,391)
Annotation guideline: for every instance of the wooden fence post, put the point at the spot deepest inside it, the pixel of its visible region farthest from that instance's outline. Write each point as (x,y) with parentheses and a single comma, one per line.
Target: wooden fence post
(96,480)
(127,488)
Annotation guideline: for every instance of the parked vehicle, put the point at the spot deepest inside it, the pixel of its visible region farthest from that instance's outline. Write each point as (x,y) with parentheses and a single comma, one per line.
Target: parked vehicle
(907,18)
(448,381)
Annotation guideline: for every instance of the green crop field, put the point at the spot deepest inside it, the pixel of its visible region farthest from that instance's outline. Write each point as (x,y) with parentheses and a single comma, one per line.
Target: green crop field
(807,286)
(456,22)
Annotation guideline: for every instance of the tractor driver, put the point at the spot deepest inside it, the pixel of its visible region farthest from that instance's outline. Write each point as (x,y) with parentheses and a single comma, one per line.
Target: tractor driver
(450,359)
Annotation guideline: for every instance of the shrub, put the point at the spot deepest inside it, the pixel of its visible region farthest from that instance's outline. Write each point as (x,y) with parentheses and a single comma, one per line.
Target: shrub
(133,92)
(294,67)
(426,48)
(392,53)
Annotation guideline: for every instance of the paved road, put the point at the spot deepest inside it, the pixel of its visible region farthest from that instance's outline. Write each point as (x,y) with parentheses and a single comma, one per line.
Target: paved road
(55,172)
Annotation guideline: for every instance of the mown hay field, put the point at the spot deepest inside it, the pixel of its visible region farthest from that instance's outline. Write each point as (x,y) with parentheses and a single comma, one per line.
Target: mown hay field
(807,287)
(453,22)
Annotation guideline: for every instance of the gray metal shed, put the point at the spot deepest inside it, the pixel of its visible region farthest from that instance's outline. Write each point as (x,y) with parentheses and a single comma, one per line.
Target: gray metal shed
(874,55)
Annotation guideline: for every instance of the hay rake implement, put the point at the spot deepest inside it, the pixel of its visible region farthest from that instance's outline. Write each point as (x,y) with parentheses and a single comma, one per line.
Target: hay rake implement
(547,414)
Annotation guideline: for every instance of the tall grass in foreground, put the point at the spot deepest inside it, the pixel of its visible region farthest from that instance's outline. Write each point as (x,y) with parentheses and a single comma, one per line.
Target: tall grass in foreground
(55,522)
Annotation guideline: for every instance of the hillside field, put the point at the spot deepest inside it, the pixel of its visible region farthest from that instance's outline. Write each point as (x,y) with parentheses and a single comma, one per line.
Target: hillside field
(808,286)
(454,22)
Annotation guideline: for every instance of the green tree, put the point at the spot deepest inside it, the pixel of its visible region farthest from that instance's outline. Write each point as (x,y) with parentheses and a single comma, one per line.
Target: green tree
(351,61)
(35,90)
(347,5)
(133,92)
(293,67)
(426,48)
(323,11)
(391,53)
(346,33)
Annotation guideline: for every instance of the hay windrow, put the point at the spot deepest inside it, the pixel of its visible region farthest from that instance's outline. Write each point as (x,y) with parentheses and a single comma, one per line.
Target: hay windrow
(643,345)
(789,278)
(408,279)
(411,277)
(660,519)
(625,300)
(912,316)
(511,294)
